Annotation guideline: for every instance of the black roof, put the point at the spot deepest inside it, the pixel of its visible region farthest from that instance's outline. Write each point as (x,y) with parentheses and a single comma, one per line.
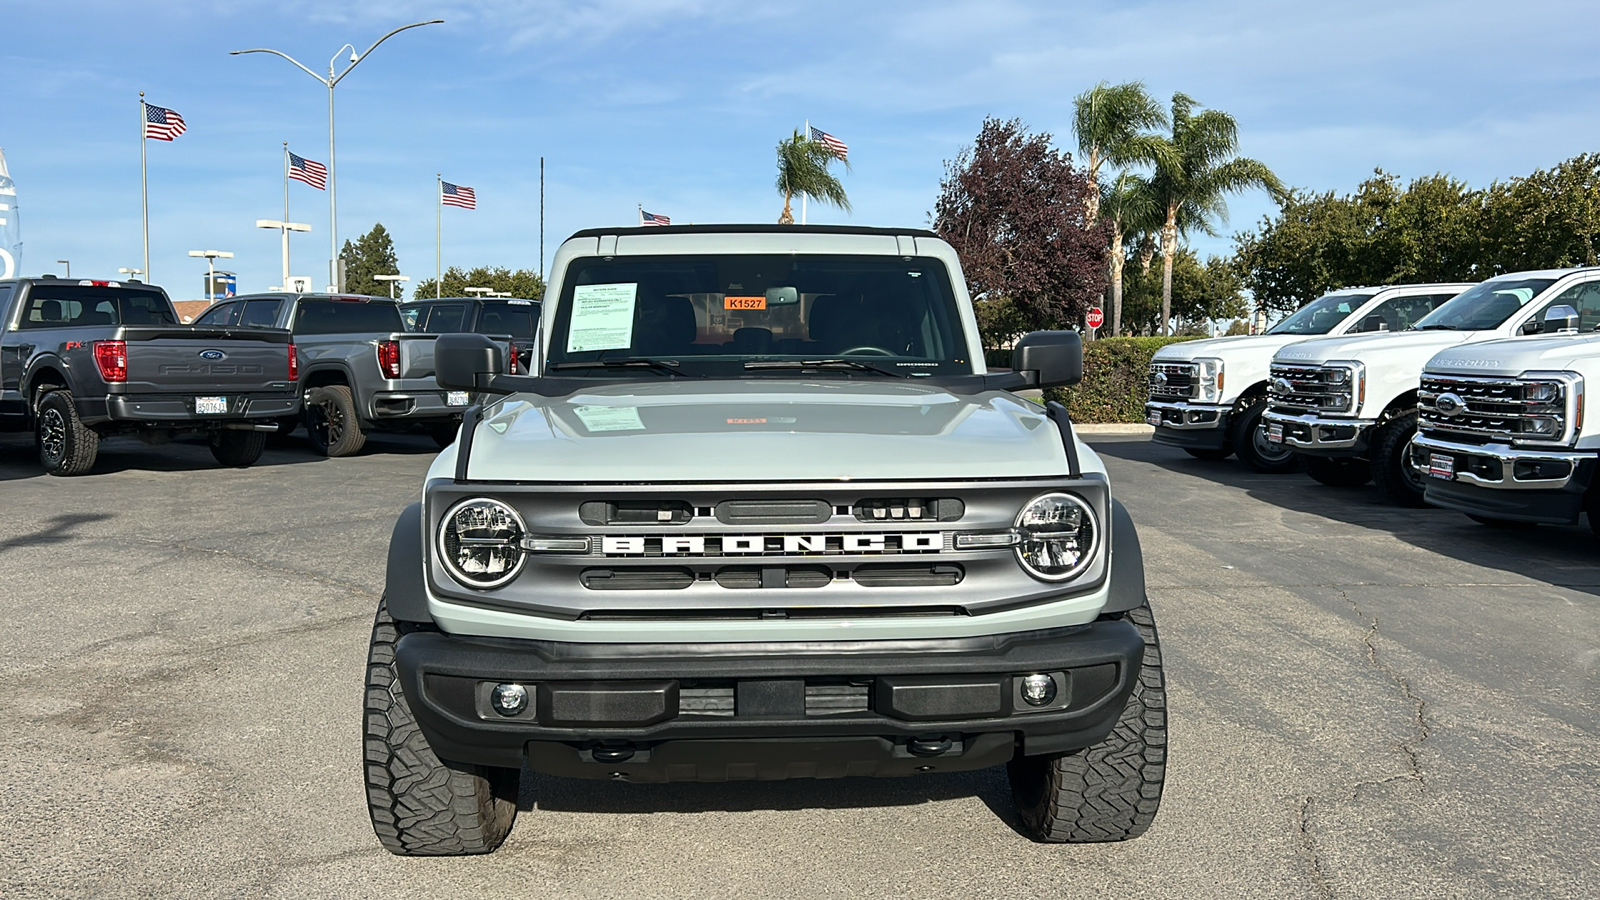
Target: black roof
(310,295)
(748,228)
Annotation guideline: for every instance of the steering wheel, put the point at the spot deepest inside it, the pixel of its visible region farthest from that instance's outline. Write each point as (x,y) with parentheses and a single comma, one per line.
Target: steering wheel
(866,350)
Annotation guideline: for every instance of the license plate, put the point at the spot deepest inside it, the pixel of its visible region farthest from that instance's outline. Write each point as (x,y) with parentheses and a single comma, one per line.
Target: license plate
(456,398)
(1275,432)
(1441,466)
(1154,418)
(212,405)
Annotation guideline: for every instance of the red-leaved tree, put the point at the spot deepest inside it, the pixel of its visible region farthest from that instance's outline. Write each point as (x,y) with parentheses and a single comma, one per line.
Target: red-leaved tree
(1013,207)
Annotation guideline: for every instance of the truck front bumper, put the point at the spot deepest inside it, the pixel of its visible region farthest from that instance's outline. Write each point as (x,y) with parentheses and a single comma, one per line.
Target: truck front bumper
(178,410)
(1319,436)
(718,712)
(1503,482)
(1189,425)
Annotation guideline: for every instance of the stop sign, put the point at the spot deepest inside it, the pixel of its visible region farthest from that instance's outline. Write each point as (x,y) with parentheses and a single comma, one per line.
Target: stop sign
(1096,318)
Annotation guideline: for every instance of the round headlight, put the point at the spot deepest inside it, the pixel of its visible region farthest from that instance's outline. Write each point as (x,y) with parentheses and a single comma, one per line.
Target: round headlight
(480,543)
(1057,536)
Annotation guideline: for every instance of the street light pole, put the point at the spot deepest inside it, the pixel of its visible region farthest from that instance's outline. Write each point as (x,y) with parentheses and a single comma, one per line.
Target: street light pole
(211,257)
(332,81)
(392,279)
(285,228)
(68,264)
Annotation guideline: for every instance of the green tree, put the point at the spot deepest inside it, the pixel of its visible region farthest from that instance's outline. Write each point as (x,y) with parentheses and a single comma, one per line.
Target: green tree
(1192,174)
(1110,122)
(1549,219)
(371,254)
(522,283)
(803,169)
(1129,210)
(1201,293)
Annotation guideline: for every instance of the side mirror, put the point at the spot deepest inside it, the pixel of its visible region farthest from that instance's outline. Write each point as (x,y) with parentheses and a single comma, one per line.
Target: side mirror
(466,362)
(1049,358)
(1559,319)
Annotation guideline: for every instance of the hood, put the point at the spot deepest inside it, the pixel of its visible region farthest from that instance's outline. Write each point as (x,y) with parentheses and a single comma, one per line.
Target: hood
(1223,347)
(1513,356)
(1361,346)
(788,430)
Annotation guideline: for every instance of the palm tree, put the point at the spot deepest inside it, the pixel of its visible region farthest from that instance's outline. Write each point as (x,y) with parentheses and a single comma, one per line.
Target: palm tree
(1196,169)
(1130,209)
(1110,121)
(803,169)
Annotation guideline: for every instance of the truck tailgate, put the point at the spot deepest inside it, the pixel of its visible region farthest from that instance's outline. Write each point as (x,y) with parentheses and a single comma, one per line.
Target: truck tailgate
(206,360)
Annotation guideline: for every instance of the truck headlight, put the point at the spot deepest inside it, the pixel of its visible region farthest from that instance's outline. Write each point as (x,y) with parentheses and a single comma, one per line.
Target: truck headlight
(1208,380)
(480,543)
(1058,536)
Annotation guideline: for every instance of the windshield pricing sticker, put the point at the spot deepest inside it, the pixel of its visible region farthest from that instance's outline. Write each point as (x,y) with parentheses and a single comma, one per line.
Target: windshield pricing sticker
(610,418)
(602,317)
(744,302)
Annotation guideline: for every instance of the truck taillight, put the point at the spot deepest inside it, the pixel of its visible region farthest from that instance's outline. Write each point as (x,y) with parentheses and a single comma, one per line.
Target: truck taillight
(111,357)
(294,363)
(389,358)
(512,350)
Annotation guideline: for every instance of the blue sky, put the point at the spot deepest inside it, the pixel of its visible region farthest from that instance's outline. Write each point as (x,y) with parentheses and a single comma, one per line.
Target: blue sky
(677,104)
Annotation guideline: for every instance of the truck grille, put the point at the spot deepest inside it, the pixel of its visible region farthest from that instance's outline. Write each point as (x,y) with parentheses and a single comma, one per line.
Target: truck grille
(1296,390)
(1480,410)
(1172,381)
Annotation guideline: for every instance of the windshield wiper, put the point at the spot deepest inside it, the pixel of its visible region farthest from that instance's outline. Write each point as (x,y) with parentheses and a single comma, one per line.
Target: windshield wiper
(854,364)
(669,366)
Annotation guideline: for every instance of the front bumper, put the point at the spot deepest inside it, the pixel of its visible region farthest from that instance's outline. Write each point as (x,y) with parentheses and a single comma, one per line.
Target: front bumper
(716,712)
(1317,435)
(1504,482)
(178,410)
(1189,425)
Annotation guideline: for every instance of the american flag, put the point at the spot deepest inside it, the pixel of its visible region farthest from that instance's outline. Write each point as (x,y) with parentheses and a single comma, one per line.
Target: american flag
(456,195)
(832,143)
(162,124)
(648,218)
(312,173)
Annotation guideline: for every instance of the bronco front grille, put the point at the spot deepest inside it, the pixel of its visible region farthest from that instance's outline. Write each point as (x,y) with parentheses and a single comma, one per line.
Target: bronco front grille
(1478,410)
(1172,381)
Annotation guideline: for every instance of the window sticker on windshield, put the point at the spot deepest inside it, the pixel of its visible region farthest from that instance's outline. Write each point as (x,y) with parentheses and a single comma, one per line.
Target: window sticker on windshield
(744,302)
(602,317)
(610,418)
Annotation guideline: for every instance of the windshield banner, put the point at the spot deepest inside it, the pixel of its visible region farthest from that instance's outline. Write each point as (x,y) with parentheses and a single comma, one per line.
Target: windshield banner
(10,230)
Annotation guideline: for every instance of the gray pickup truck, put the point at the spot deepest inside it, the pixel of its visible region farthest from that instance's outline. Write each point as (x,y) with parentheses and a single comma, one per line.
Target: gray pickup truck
(360,369)
(83,360)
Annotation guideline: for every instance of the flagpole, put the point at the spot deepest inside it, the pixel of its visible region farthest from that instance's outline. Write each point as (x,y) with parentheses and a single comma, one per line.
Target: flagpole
(144,188)
(285,228)
(641,215)
(541,218)
(438,235)
(807,138)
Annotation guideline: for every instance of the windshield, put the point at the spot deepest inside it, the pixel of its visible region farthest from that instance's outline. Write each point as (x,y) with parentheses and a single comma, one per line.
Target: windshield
(1323,314)
(1484,306)
(714,314)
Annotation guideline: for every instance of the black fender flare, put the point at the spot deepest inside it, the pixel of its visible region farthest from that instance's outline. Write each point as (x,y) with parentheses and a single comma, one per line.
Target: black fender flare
(1127,563)
(404,590)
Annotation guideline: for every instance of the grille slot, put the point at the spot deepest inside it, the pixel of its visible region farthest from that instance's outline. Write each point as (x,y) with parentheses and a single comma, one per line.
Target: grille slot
(705,701)
(746,577)
(1172,381)
(774,512)
(836,699)
(901,509)
(908,576)
(636,512)
(1311,389)
(1489,409)
(636,579)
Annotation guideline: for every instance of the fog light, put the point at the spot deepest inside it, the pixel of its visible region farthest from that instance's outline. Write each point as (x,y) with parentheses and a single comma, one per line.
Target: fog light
(1038,690)
(509,699)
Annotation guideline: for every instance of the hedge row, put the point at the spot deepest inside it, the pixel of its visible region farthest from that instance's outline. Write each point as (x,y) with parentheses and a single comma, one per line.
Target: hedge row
(1115,380)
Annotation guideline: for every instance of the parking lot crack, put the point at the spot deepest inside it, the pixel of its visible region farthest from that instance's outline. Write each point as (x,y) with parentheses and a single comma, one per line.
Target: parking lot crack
(359,589)
(1419,722)
(1308,845)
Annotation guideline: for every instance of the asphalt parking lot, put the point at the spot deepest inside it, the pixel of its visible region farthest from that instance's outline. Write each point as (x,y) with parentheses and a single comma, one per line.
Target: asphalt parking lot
(1365,702)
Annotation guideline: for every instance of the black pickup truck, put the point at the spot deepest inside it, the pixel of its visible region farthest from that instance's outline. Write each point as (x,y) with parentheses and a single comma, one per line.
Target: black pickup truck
(361,370)
(83,360)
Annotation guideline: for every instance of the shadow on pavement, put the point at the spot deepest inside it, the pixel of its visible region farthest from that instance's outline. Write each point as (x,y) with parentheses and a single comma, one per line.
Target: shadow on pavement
(19,459)
(1564,556)
(59,530)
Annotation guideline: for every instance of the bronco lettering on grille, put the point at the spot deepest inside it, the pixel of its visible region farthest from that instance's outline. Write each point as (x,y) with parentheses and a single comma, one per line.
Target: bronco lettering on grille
(790,544)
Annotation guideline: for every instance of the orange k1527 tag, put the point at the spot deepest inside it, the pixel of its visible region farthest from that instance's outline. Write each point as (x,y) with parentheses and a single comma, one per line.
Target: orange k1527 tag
(744,302)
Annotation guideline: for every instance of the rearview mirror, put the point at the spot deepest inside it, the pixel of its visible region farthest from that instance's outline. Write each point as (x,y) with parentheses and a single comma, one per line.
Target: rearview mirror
(466,362)
(1049,358)
(1559,319)
(782,296)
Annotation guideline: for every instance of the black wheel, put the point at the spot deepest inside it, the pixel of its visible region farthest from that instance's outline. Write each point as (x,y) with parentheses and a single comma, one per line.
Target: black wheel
(1493,522)
(1220,453)
(444,435)
(1111,791)
(239,449)
(1338,472)
(66,445)
(1392,471)
(421,805)
(332,422)
(1250,442)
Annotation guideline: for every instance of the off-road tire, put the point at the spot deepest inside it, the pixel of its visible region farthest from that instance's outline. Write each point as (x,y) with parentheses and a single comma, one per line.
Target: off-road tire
(1392,471)
(444,435)
(67,447)
(1338,471)
(419,804)
(1209,454)
(1110,791)
(1496,522)
(332,422)
(1252,447)
(239,449)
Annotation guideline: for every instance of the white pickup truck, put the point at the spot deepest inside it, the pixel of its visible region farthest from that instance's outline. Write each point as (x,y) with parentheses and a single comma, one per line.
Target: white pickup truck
(1349,404)
(1207,397)
(1502,432)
